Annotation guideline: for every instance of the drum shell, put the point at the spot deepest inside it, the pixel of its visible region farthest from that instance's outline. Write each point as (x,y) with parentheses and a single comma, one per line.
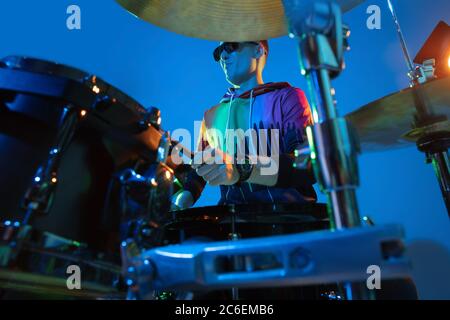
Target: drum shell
(28,130)
(218,223)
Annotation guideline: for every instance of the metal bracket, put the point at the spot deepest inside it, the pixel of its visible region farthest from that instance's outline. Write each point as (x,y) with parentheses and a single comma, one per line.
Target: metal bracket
(292,260)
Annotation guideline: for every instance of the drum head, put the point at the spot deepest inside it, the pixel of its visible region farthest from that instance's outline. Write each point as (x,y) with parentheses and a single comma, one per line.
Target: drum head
(218,223)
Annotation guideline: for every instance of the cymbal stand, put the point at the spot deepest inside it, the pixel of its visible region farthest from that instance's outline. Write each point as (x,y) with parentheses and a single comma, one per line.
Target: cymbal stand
(434,145)
(318,28)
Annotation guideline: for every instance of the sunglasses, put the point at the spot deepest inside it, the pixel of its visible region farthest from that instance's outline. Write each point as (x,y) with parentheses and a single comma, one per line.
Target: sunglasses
(229,47)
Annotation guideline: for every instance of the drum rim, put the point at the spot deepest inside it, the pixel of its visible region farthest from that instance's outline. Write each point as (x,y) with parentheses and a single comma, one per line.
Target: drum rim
(228,214)
(43,66)
(52,68)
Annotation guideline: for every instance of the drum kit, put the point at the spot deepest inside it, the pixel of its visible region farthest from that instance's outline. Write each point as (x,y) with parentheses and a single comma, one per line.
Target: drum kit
(86,177)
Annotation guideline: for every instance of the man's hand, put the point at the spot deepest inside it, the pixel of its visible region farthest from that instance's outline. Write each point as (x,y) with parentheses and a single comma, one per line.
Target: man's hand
(216,167)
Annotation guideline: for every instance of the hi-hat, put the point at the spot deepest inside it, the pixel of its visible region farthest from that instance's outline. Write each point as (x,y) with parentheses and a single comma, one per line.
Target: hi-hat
(388,123)
(221,20)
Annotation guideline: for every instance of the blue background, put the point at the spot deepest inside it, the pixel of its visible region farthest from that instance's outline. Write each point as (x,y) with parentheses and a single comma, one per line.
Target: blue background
(178,75)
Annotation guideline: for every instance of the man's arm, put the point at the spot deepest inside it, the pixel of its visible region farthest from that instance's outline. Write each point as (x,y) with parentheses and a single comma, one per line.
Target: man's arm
(193,184)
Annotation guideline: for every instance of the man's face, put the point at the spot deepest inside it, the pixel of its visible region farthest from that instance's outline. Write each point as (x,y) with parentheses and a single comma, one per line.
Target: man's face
(240,64)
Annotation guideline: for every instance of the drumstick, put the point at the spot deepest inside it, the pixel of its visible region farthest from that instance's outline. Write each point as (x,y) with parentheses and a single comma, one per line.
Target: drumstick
(190,154)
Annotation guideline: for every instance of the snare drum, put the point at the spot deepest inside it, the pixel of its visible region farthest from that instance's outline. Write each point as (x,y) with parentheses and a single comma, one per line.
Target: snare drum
(234,222)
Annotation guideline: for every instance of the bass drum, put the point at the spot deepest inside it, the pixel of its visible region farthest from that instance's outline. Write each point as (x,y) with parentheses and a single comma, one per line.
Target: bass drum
(110,135)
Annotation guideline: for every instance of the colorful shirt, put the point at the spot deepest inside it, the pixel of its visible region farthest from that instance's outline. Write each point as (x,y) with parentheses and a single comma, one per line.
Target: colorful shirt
(270,106)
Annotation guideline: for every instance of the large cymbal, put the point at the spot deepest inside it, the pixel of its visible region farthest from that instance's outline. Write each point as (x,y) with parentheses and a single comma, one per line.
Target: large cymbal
(388,122)
(221,20)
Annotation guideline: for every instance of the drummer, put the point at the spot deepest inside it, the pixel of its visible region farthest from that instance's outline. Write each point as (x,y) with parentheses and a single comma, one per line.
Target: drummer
(273,110)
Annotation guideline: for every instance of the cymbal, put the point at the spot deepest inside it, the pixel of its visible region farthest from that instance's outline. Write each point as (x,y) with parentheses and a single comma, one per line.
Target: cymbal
(221,20)
(388,122)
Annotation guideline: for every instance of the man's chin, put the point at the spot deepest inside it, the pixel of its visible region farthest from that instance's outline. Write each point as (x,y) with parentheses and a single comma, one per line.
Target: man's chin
(236,81)
(232,82)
